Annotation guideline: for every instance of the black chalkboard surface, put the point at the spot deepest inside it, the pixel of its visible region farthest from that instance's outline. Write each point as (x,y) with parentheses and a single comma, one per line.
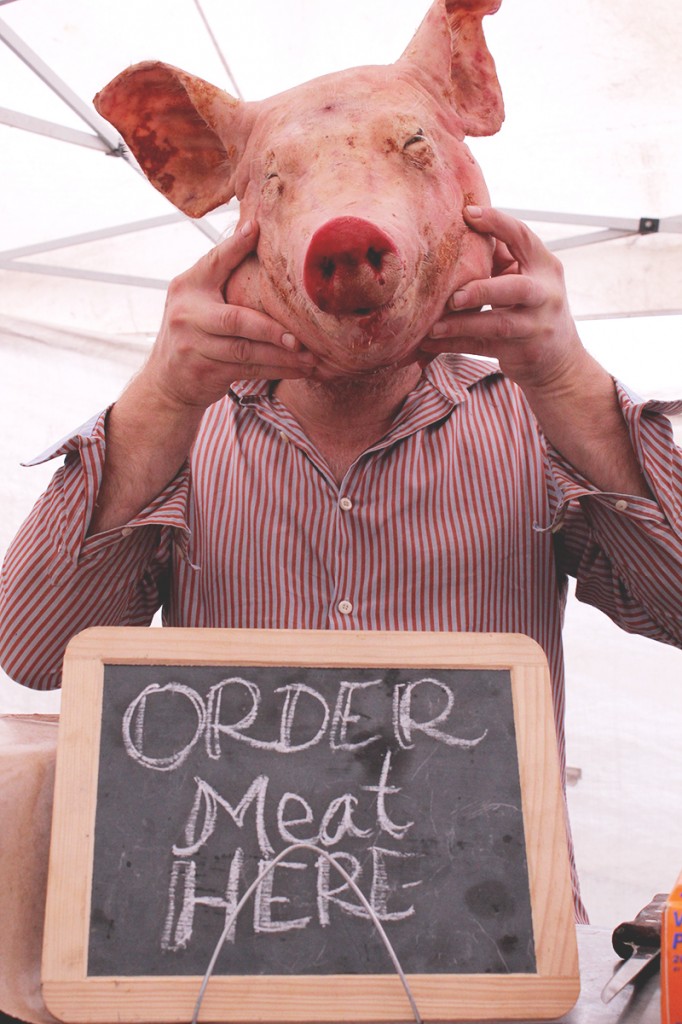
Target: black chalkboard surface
(189,805)
(403,758)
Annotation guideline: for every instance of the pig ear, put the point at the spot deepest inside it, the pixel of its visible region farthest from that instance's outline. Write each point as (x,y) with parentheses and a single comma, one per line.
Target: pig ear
(169,119)
(449,47)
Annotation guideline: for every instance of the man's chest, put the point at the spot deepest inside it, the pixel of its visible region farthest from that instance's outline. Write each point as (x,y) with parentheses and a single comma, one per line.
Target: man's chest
(413,530)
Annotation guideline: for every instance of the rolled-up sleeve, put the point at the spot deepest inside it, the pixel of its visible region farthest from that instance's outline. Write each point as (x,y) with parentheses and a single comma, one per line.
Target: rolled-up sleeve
(626,551)
(56,580)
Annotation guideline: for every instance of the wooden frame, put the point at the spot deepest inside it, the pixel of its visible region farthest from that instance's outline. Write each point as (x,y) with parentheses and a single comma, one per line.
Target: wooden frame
(74,996)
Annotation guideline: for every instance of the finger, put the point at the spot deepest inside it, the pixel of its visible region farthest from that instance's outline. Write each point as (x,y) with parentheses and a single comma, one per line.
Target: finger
(507,290)
(503,261)
(257,359)
(522,243)
(431,347)
(215,266)
(227,321)
(491,324)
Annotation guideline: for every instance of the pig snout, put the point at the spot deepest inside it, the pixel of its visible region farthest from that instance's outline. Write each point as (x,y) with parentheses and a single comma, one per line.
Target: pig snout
(351,267)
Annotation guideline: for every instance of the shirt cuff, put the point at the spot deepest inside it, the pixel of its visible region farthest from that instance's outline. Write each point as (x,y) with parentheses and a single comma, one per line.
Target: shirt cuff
(660,460)
(90,433)
(75,490)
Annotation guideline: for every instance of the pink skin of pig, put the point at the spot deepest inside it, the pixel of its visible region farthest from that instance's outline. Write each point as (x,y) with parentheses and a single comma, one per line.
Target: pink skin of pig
(358,181)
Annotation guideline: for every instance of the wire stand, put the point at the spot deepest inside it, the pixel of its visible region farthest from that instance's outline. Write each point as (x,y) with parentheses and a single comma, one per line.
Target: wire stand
(344,874)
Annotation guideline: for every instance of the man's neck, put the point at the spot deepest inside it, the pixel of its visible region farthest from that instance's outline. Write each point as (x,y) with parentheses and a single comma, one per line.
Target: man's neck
(345,416)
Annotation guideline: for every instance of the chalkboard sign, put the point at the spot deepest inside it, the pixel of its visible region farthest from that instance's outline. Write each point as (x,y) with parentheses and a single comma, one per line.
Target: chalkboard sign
(423,765)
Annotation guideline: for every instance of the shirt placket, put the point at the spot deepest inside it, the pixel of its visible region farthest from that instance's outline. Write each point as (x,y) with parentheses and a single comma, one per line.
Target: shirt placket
(344,610)
(354,526)
(352,531)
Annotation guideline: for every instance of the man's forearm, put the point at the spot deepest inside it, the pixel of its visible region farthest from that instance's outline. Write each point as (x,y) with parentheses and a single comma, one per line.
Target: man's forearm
(148,439)
(582,419)
(203,345)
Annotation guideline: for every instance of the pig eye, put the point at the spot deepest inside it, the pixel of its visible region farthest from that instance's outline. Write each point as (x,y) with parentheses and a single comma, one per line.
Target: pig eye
(418,150)
(416,138)
(272,186)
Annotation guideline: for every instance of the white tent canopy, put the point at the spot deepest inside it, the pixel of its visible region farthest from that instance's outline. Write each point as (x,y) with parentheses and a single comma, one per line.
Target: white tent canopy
(590,152)
(590,155)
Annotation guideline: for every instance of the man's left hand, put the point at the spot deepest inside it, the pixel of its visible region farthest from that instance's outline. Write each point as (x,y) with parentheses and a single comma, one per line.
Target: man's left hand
(528,327)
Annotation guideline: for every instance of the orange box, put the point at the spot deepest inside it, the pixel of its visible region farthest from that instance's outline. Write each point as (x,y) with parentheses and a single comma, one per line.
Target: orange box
(671,958)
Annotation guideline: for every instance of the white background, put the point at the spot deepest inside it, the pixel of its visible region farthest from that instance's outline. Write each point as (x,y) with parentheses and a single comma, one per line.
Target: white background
(594,100)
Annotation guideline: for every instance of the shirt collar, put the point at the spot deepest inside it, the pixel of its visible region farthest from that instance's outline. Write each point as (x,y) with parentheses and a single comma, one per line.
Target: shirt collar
(453,375)
(248,392)
(450,375)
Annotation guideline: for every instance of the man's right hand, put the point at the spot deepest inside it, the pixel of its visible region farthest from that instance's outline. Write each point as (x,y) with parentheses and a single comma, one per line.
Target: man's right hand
(205,344)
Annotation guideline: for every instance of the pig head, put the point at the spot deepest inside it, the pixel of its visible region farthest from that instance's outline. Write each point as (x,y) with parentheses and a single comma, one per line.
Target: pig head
(358,180)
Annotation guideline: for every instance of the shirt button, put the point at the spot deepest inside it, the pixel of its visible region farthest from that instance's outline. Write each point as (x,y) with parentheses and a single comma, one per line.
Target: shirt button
(284,437)
(126,531)
(621,505)
(346,504)
(345,607)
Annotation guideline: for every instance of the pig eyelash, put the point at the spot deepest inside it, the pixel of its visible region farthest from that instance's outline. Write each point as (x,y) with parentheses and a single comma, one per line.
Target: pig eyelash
(417,137)
(270,176)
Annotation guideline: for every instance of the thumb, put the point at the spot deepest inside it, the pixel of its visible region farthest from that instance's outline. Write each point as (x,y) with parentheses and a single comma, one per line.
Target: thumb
(213,269)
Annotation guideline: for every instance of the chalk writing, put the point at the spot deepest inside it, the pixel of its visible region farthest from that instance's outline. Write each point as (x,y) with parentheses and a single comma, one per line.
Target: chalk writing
(378,778)
(208,719)
(294,815)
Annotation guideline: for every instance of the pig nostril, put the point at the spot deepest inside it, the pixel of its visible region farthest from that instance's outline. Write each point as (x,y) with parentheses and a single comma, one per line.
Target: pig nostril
(327,268)
(351,267)
(375,258)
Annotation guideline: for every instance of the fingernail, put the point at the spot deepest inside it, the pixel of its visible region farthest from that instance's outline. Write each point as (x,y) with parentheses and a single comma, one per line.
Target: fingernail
(459,298)
(289,341)
(247,227)
(438,329)
(474,211)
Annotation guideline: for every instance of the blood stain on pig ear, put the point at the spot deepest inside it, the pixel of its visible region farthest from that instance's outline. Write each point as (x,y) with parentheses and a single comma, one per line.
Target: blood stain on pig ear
(449,55)
(171,121)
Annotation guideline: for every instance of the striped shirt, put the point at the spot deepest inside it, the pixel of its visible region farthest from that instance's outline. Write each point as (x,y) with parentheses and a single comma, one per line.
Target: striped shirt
(461,518)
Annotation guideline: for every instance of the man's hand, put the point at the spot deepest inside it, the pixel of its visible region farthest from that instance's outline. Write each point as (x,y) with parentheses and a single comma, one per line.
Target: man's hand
(529,327)
(530,331)
(205,344)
